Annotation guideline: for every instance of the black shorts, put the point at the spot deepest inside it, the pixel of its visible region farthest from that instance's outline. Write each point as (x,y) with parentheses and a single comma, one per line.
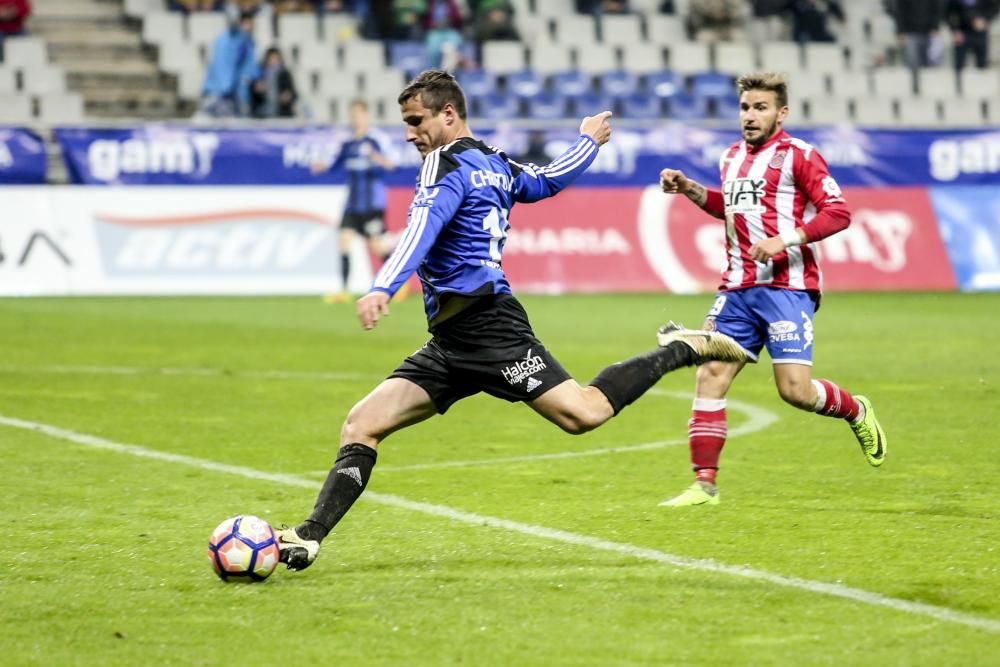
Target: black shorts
(367,223)
(488,347)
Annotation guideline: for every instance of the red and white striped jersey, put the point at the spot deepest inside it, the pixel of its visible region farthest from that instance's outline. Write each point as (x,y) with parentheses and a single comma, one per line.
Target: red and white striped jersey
(771,189)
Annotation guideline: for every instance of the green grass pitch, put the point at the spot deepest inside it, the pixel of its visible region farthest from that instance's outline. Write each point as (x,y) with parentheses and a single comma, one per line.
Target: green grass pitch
(104,551)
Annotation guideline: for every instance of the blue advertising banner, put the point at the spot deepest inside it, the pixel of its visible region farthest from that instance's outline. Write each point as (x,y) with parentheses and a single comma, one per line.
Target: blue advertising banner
(969,220)
(175,155)
(23,159)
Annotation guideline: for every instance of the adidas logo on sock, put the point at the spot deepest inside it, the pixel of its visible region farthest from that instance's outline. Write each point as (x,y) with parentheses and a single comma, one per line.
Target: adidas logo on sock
(533,384)
(353,473)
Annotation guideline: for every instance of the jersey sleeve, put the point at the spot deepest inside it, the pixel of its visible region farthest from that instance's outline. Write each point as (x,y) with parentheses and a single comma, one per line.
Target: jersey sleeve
(532,182)
(440,191)
(813,178)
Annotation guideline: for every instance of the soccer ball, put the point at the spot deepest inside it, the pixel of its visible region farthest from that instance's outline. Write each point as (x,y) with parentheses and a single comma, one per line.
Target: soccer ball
(243,548)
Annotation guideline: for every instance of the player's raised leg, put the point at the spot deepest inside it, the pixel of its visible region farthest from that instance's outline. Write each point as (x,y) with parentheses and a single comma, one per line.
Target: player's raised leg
(394,404)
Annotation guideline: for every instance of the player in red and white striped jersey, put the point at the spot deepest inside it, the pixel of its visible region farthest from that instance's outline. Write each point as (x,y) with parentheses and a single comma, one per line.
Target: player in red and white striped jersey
(777,198)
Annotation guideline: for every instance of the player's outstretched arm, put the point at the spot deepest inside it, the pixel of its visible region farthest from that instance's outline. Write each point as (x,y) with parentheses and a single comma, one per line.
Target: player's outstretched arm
(532,183)
(673,181)
(597,127)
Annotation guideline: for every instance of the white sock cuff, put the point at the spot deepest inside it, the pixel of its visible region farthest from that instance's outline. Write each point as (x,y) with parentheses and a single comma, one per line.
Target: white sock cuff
(709,404)
(820,396)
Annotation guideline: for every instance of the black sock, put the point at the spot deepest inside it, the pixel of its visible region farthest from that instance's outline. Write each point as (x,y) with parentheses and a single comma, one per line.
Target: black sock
(345,268)
(342,487)
(627,380)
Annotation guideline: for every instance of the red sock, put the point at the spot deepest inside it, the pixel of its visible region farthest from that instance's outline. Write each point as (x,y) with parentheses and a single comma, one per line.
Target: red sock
(833,401)
(706,437)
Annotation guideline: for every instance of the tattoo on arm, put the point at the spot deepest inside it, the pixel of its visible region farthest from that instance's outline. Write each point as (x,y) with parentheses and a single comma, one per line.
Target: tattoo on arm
(696,192)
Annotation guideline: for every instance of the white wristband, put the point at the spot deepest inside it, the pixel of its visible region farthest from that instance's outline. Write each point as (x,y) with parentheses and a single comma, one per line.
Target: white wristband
(791,237)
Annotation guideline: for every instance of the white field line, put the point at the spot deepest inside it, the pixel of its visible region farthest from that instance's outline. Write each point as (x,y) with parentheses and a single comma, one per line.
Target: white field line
(759,418)
(624,549)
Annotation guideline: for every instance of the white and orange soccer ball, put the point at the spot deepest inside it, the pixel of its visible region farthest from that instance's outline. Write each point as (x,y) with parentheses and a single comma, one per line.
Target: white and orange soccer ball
(243,548)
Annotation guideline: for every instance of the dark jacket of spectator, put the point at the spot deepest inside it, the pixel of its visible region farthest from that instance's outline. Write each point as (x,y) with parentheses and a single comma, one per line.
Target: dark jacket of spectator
(962,14)
(13,14)
(916,17)
(272,94)
(810,19)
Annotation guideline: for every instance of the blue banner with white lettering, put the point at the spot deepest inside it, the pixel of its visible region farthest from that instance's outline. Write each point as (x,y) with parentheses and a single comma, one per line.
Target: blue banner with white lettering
(969,220)
(23,158)
(176,155)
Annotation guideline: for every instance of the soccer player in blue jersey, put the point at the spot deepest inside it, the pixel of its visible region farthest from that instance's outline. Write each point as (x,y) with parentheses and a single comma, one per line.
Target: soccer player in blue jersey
(364,158)
(481,340)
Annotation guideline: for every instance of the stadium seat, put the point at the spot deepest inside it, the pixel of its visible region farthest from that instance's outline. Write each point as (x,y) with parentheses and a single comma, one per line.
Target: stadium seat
(713,85)
(8,81)
(873,111)
(408,56)
(204,27)
(60,108)
(570,82)
(575,29)
(663,84)
(619,29)
(684,106)
(735,58)
(163,25)
(641,106)
(178,56)
(263,33)
(665,29)
(591,103)
(363,56)
(823,57)
(15,109)
(547,106)
(554,8)
(525,83)
(596,58)
(725,108)
(533,29)
(979,83)
(189,82)
(919,112)
(550,58)
(44,79)
(384,109)
(938,82)
(25,52)
(337,83)
(618,83)
(959,112)
(803,83)
(312,55)
(992,112)
(642,58)
(781,56)
(689,57)
(827,110)
(849,84)
(136,9)
(316,108)
(477,81)
(497,106)
(892,82)
(502,57)
(384,84)
(297,28)
(339,27)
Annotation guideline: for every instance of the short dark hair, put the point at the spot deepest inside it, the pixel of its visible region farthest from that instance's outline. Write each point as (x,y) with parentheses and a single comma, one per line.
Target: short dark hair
(436,88)
(769,81)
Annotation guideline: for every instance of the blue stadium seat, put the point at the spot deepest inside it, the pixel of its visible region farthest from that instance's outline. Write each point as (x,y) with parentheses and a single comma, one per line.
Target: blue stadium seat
(618,83)
(495,106)
(712,85)
(589,104)
(477,82)
(641,106)
(683,106)
(664,84)
(408,56)
(525,83)
(547,106)
(726,107)
(570,82)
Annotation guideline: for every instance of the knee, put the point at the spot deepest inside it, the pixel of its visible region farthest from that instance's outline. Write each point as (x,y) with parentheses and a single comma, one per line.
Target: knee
(800,394)
(356,429)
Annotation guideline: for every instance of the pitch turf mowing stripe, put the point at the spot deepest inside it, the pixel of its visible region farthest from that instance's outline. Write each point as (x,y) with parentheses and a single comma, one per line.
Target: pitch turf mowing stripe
(835,590)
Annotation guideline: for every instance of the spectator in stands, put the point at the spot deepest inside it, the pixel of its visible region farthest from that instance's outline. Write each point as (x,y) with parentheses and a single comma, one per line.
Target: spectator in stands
(810,19)
(767,24)
(494,19)
(969,21)
(917,23)
(602,7)
(407,19)
(535,153)
(272,94)
(444,37)
(231,68)
(259,9)
(717,20)
(188,6)
(13,14)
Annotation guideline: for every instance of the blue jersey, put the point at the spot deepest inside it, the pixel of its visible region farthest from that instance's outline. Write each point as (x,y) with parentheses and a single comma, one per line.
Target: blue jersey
(457,224)
(365,184)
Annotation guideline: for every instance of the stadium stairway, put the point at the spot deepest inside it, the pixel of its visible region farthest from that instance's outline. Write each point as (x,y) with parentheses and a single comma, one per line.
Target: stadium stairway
(104,59)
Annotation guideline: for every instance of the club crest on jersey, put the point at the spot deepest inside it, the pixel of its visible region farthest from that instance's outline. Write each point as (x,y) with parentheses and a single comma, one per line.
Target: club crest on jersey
(744,195)
(777,160)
